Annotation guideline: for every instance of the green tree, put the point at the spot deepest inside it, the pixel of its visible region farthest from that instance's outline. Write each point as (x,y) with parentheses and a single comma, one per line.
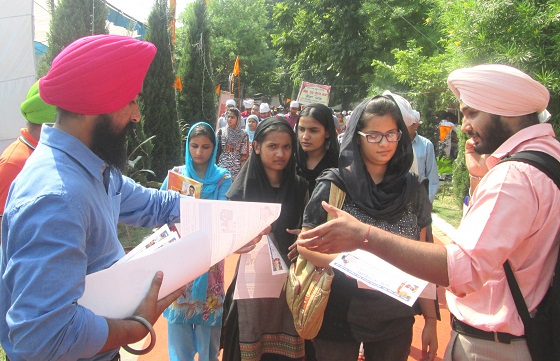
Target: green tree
(158,104)
(72,19)
(242,28)
(198,102)
(324,41)
(524,34)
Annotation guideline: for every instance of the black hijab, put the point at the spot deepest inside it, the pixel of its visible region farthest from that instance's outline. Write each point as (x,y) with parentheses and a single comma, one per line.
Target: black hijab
(252,185)
(388,199)
(323,115)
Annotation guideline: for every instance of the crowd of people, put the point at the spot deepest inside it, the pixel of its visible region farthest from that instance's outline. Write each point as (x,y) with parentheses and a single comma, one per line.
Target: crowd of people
(60,217)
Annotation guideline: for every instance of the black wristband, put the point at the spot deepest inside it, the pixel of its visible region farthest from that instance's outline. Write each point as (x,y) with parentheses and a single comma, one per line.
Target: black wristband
(152,336)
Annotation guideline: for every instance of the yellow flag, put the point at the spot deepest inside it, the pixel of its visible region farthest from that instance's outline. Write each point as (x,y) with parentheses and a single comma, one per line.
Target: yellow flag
(236,67)
(218,89)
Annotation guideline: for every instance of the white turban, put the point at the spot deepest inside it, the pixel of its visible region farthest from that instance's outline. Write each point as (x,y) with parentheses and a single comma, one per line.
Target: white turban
(404,106)
(499,89)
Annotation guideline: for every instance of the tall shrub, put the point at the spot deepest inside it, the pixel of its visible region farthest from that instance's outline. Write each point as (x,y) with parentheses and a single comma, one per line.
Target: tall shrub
(158,97)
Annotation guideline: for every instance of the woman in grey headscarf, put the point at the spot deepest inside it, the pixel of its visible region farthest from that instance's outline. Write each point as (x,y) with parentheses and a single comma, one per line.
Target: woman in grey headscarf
(233,143)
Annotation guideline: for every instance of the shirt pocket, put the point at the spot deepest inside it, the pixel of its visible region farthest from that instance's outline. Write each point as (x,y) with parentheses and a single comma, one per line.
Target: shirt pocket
(116,206)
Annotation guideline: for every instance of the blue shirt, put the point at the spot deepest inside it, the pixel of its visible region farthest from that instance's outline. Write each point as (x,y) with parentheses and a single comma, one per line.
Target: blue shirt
(426,160)
(60,224)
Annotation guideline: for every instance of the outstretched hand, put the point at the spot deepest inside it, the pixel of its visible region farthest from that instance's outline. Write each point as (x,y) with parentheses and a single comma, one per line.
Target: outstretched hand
(343,233)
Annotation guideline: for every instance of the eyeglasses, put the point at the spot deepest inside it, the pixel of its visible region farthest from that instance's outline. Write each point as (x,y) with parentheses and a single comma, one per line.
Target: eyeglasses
(378,137)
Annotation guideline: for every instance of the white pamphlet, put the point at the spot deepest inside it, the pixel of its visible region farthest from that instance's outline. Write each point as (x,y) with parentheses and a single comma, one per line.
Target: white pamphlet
(254,276)
(380,275)
(210,231)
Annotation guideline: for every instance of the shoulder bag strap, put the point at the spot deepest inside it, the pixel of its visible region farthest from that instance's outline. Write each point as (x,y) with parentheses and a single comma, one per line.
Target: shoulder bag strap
(551,167)
(336,198)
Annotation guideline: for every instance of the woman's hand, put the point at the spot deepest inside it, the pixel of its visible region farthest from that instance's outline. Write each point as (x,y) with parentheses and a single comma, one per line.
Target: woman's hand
(429,339)
(252,243)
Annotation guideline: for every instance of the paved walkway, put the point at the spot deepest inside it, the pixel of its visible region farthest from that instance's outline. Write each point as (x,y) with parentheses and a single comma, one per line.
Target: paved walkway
(159,353)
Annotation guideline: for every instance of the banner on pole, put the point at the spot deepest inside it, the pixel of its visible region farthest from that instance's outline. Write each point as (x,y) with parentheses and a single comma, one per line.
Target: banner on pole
(314,93)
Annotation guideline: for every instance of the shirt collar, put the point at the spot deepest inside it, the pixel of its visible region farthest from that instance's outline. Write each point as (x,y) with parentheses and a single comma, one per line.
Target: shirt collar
(74,148)
(28,138)
(513,143)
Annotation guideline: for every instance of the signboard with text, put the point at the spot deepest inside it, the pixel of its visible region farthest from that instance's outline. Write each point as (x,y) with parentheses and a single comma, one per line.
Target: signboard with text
(314,93)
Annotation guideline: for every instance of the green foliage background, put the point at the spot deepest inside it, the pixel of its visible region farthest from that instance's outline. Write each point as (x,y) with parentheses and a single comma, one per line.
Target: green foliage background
(359,47)
(158,105)
(198,102)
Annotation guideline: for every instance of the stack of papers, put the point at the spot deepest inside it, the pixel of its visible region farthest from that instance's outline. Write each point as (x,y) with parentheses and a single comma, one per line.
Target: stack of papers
(210,231)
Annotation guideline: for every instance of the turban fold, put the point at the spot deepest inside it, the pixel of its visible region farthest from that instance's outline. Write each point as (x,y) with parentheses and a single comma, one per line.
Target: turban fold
(97,74)
(498,89)
(407,112)
(35,110)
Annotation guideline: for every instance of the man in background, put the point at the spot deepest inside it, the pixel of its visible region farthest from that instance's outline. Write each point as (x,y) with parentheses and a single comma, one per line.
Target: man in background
(292,116)
(12,160)
(222,121)
(424,155)
(264,111)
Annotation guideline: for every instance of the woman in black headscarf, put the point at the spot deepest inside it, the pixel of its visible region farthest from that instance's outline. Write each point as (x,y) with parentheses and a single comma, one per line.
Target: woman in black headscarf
(267,330)
(317,145)
(375,159)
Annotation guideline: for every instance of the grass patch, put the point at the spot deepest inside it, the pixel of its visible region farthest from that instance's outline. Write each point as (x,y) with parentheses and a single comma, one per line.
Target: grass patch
(2,354)
(131,236)
(446,206)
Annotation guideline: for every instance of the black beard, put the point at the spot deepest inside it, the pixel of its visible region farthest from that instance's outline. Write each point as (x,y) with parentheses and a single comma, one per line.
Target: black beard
(494,135)
(109,145)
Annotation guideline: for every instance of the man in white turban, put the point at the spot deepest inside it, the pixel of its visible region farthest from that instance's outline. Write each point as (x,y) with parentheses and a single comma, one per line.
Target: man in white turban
(512,215)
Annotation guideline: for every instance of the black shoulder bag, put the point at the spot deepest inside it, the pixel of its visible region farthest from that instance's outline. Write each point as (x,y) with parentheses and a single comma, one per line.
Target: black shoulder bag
(542,331)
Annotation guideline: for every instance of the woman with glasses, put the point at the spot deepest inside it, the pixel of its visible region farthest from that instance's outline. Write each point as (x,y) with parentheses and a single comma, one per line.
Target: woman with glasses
(373,170)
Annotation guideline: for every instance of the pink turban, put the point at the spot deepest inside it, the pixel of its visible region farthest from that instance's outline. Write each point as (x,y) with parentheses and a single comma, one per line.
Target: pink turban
(97,74)
(498,89)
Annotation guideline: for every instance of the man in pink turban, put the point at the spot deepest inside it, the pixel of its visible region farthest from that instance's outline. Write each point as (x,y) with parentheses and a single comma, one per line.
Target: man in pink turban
(512,215)
(60,221)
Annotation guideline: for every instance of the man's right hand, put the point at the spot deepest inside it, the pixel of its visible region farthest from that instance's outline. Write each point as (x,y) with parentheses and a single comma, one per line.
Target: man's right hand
(151,308)
(476,163)
(124,332)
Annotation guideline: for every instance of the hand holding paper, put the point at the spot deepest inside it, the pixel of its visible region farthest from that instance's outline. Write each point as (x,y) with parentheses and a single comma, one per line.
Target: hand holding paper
(210,231)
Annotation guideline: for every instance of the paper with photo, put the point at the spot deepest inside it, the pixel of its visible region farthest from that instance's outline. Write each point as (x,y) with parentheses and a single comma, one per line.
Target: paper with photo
(380,275)
(183,184)
(211,230)
(254,278)
(277,264)
(150,243)
(428,292)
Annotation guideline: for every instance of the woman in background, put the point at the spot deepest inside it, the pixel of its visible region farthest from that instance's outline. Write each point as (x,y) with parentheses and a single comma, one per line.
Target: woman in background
(317,146)
(195,318)
(233,143)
